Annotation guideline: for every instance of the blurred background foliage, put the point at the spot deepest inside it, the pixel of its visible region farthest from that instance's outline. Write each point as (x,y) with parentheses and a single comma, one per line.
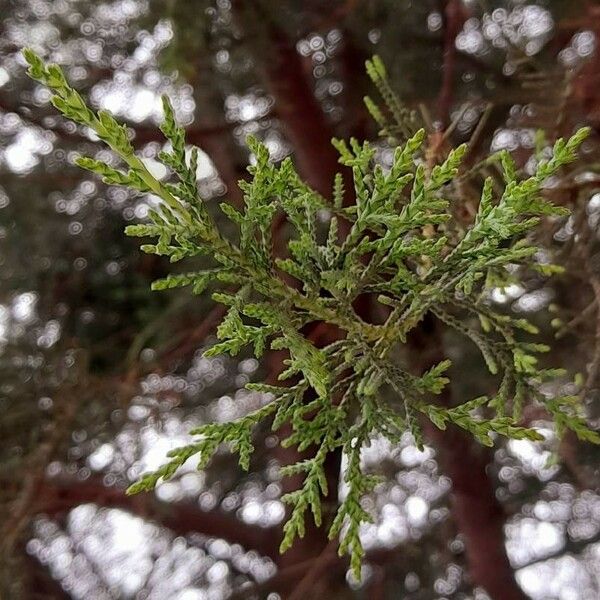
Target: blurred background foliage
(100,377)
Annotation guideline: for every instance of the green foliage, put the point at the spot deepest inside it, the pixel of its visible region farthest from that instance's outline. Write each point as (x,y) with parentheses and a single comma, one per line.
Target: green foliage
(401,122)
(402,246)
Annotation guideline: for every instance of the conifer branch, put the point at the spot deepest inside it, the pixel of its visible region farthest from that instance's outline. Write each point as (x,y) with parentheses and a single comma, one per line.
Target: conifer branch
(401,245)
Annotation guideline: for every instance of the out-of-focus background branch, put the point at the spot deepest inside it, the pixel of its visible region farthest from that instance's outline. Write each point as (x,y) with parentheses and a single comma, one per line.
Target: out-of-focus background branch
(99,377)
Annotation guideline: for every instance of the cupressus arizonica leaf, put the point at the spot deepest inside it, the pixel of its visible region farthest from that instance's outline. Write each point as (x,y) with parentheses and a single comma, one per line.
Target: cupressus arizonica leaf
(400,245)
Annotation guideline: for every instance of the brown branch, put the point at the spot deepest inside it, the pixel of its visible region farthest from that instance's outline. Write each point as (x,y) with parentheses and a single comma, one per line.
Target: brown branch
(402,559)
(56,496)
(316,571)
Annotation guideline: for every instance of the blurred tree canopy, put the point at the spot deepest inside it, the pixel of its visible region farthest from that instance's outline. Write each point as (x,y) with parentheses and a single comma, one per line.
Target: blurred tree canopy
(100,376)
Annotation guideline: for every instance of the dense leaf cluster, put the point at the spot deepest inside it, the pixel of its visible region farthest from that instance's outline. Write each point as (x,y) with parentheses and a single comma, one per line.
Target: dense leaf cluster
(401,245)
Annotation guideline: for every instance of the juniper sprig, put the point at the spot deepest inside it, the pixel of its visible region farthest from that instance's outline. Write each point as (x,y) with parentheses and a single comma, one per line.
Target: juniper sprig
(401,245)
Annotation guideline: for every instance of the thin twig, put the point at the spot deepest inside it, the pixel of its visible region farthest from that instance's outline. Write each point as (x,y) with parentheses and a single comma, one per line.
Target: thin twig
(316,571)
(582,316)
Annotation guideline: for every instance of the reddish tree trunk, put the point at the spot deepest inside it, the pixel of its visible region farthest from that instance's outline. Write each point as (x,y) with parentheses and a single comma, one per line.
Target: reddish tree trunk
(477,513)
(301,116)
